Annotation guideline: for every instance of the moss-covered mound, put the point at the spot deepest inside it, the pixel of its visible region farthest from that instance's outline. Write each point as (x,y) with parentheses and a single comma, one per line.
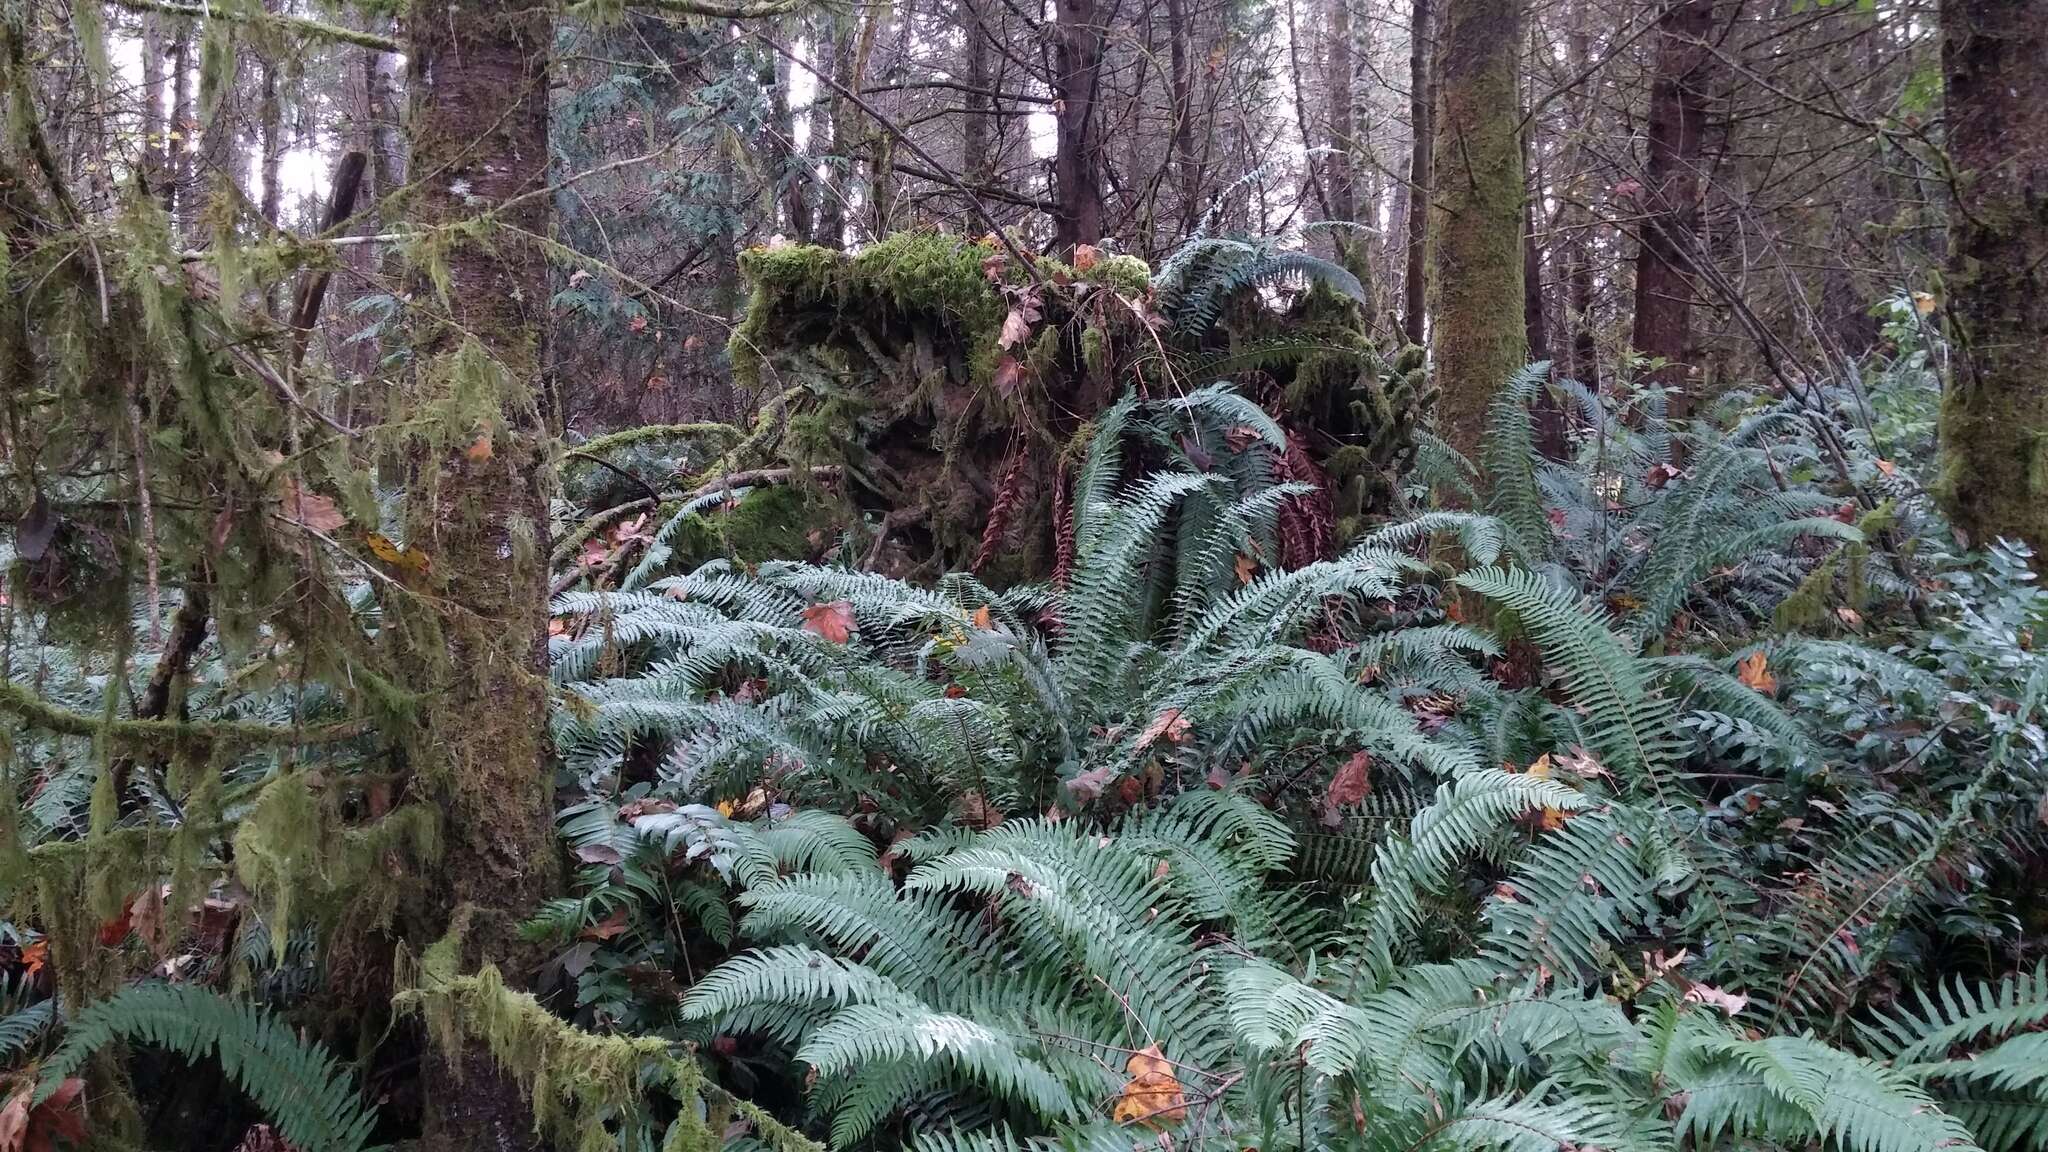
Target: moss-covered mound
(947,383)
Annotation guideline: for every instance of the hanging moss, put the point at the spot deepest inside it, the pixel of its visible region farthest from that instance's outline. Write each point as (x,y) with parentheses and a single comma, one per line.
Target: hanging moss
(292,849)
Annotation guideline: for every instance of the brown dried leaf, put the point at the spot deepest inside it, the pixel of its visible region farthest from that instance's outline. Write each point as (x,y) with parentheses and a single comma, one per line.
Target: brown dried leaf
(1016,329)
(832,621)
(1086,786)
(1085,256)
(1169,724)
(1009,377)
(310,508)
(1352,783)
(1730,1002)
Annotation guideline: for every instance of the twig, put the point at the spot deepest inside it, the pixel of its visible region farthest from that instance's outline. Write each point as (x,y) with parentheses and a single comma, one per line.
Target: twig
(601,462)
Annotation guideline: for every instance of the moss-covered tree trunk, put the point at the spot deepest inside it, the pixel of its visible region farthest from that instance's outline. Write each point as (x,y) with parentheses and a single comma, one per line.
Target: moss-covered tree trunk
(1476,217)
(477,462)
(1994,420)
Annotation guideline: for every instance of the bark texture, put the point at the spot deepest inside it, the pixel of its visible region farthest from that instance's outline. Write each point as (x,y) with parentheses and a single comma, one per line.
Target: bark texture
(1994,419)
(1076,166)
(1671,194)
(1476,218)
(1415,198)
(477,506)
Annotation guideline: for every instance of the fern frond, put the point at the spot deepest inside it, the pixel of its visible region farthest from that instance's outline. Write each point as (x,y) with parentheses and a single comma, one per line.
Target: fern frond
(308,1096)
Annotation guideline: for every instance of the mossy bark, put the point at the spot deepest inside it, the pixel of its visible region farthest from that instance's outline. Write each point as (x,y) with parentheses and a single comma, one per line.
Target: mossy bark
(472,633)
(1994,419)
(1476,218)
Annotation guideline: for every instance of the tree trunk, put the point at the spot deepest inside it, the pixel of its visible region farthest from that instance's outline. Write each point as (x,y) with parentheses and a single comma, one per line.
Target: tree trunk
(1180,55)
(978,126)
(1577,247)
(831,136)
(787,190)
(1076,169)
(1994,419)
(178,166)
(1341,172)
(270,119)
(154,154)
(1415,197)
(1671,193)
(476,648)
(1476,263)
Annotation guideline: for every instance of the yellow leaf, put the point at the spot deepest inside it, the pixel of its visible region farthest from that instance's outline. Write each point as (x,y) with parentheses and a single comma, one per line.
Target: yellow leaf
(1754,670)
(1549,819)
(724,808)
(1154,1097)
(382,547)
(1923,303)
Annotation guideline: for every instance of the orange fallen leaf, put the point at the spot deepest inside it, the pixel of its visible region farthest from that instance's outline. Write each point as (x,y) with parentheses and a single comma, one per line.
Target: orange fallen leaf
(481,449)
(1246,566)
(1548,819)
(1153,1097)
(1754,670)
(982,619)
(34,956)
(833,622)
(1085,256)
(1887,467)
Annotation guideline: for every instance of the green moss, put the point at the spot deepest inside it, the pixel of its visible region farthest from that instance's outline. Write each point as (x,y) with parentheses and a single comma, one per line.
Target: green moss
(580,1083)
(1126,274)
(766,524)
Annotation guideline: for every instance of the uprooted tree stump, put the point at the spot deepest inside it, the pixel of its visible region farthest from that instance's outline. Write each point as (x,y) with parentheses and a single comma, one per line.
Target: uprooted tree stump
(948,393)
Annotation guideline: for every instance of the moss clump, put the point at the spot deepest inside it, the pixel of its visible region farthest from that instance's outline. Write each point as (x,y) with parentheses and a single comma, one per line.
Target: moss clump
(766,524)
(910,285)
(1126,274)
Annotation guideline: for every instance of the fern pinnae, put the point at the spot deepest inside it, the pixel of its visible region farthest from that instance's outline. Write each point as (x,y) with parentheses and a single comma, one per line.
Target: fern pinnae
(308,1095)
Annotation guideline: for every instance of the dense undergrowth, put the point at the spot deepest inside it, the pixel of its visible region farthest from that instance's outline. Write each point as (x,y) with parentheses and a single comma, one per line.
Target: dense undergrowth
(1594,802)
